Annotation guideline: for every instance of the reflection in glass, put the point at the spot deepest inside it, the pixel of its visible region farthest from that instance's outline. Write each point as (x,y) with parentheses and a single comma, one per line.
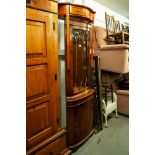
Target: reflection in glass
(80,50)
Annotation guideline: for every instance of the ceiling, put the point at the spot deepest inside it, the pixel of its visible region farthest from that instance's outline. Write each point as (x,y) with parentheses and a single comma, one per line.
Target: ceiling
(119,6)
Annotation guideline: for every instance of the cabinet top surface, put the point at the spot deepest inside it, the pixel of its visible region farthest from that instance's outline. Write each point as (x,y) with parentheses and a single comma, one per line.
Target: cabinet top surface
(78,5)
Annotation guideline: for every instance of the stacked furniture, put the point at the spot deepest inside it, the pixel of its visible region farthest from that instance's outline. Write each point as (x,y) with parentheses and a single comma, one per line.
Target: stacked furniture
(79,41)
(115,34)
(114,58)
(114,63)
(44,133)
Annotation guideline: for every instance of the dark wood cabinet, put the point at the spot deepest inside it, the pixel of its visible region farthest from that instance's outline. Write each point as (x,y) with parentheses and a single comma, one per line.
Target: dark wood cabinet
(43,124)
(79,48)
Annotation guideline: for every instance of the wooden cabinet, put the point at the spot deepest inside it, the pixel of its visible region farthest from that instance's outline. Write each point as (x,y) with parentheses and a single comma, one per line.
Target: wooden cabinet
(79,48)
(43,124)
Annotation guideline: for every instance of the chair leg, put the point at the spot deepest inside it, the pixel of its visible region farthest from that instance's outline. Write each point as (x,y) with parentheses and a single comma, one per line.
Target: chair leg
(116,113)
(123,40)
(105,121)
(111,87)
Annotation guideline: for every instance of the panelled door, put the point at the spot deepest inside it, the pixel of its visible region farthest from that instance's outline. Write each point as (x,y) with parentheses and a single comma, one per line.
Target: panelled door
(42,86)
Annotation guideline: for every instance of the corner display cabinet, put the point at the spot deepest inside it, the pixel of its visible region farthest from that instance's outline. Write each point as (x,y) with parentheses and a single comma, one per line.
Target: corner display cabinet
(44,133)
(79,42)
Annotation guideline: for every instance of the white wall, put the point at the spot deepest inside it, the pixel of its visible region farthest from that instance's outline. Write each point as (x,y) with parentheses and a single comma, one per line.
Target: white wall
(100,12)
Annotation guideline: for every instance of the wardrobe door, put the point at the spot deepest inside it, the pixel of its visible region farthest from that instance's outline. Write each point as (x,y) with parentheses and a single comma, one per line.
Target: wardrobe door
(42,87)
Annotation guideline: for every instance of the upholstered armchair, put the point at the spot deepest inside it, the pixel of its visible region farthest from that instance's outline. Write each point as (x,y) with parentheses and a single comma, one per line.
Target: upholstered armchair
(114,58)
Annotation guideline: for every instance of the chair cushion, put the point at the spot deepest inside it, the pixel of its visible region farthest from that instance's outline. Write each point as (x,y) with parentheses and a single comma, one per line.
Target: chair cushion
(100,34)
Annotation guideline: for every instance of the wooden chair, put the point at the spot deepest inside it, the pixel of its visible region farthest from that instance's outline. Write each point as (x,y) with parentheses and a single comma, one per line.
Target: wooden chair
(106,102)
(109,101)
(125,27)
(110,28)
(114,33)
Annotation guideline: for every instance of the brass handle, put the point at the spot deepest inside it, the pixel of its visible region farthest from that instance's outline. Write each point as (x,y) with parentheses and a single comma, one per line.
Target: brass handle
(78,11)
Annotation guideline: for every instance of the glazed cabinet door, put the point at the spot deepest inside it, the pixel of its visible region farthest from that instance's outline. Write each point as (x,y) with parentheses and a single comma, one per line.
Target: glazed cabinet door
(80,56)
(42,87)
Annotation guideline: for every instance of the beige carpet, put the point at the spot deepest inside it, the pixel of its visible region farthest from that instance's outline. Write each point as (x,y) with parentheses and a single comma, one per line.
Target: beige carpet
(113,140)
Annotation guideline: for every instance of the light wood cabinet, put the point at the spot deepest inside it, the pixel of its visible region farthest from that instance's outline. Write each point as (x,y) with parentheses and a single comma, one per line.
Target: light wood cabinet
(43,124)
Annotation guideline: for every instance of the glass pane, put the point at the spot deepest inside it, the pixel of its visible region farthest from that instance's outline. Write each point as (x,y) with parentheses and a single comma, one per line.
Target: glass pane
(80,52)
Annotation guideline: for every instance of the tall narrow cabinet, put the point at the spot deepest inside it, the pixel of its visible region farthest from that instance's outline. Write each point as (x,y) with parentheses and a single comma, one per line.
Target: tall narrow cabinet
(79,48)
(44,133)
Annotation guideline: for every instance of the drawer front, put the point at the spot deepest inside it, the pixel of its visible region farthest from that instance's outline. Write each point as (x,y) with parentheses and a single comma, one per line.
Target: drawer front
(77,11)
(91,16)
(83,12)
(55,148)
(46,5)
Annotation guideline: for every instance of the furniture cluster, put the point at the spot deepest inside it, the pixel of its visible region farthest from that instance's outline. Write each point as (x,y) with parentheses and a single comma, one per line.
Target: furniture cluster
(106,98)
(114,58)
(114,66)
(116,33)
(45,132)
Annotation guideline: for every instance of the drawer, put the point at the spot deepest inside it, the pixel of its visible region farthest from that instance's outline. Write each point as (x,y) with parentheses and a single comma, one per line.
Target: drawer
(55,148)
(80,11)
(77,11)
(91,16)
(45,5)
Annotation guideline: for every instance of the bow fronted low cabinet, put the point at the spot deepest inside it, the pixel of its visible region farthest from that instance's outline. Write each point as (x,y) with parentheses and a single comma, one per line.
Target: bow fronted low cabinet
(44,133)
(79,48)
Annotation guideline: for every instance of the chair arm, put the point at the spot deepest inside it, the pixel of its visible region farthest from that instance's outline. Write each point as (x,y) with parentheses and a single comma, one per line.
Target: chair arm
(114,47)
(123,92)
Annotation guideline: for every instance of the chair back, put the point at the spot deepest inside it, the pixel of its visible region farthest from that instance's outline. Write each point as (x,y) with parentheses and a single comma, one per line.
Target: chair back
(109,20)
(117,26)
(125,28)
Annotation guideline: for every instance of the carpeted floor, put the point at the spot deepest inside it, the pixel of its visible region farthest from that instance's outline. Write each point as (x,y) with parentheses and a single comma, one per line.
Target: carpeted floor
(113,140)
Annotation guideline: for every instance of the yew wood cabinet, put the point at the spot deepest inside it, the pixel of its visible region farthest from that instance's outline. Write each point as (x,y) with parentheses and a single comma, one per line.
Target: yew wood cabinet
(44,133)
(79,48)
